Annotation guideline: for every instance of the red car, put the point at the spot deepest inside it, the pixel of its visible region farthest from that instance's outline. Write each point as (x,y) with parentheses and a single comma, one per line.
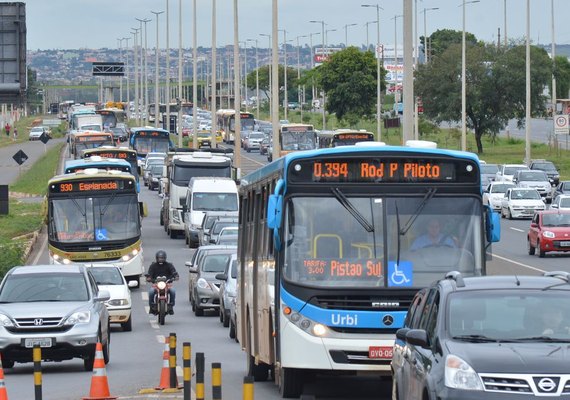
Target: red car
(549,231)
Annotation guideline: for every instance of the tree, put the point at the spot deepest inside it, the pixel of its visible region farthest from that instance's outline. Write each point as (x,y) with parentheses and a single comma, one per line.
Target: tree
(495,86)
(440,40)
(348,79)
(264,82)
(562,74)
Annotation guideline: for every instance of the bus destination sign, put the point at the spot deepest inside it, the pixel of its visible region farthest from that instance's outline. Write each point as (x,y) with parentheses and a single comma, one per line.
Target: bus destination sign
(90,186)
(123,155)
(391,170)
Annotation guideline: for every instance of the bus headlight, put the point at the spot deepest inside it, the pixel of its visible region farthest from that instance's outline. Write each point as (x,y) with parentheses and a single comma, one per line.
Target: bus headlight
(66,261)
(304,323)
(319,330)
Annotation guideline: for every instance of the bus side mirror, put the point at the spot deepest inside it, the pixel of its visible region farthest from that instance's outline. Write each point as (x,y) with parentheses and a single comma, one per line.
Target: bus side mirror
(274,210)
(492,225)
(139,170)
(143,209)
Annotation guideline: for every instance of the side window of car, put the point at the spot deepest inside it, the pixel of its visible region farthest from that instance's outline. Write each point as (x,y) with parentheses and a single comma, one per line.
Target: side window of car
(426,309)
(535,218)
(433,316)
(408,323)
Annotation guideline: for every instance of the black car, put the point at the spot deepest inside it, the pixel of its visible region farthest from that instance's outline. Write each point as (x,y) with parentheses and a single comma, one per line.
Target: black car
(548,167)
(562,188)
(491,337)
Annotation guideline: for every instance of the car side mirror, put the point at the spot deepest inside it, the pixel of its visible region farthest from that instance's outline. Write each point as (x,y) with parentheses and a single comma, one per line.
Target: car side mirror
(554,206)
(132,284)
(103,295)
(417,337)
(221,277)
(401,333)
(533,225)
(193,270)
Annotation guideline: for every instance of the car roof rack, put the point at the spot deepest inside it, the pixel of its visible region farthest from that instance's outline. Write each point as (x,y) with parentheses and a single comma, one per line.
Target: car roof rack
(457,277)
(565,276)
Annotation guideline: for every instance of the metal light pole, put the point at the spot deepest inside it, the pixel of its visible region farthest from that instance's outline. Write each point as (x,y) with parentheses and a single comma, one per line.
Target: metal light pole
(120,40)
(527,113)
(408,81)
(378,73)
(270,73)
(415,39)
(135,63)
(463,82)
(346,34)
(505,21)
(553,51)
(426,53)
(237,97)
(323,37)
(144,72)
(195,76)
(299,100)
(127,76)
(245,72)
(214,78)
(275,79)
(256,78)
(167,97)
(367,39)
(180,98)
(395,18)
(156,69)
(285,105)
(313,95)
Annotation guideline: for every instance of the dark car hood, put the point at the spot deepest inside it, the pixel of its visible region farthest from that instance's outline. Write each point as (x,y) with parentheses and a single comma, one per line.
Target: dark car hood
(544,358)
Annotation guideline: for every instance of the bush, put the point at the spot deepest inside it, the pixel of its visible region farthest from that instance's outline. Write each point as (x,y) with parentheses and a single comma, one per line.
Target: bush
(12,255)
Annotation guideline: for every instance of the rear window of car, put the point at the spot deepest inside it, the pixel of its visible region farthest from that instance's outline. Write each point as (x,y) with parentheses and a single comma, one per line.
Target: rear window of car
(533,176)
(32,288)
(215,263)
(489,168)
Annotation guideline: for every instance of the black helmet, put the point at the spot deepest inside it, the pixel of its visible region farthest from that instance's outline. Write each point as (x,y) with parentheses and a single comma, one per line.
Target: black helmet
(160,256)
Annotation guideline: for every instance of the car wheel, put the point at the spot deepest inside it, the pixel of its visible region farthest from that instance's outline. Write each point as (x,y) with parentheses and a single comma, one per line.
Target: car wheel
(232,331)
(225,319)
(541,253)
(128,326)
(107,347)
(221,313)
(161,220)
(199,312)
(7,363)
(510,214)
(248,150)
(530,248)
(502,213)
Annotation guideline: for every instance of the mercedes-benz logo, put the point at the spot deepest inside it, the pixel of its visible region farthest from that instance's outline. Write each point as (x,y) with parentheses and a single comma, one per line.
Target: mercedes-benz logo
(547,384)
(388,320)
(38,322)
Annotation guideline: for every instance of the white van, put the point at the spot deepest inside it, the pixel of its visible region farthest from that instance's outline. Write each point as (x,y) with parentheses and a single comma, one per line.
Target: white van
(207,194)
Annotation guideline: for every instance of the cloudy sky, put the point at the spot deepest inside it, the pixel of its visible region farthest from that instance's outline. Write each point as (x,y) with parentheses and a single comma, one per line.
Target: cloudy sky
(71,24)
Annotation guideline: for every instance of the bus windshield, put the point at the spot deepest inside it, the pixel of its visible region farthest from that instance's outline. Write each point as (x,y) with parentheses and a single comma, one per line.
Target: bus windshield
(183,173)
(145,145)
(92,144)
(372,237)
(96,219)
(298,140)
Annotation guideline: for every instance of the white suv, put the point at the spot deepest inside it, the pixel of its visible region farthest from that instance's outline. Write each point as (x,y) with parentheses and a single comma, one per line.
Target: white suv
(507,171)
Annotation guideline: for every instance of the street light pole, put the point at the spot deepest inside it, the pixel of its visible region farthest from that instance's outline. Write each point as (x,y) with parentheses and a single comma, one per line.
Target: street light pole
(135,43)
(323,37)
(346,34)
(426,53)
(528,99)
(367,39)
(214,71)
(128,111)
(120,40)
(167,97)
(156,69)
(270,73)
(245,73)
(395,18)
(256,78)
(313,95)
(180,97)
(285,105)
(144,73)
(299,100)
(275,79)
(553,51)
(463,83)
(237,95)
(195,77)
(378,73)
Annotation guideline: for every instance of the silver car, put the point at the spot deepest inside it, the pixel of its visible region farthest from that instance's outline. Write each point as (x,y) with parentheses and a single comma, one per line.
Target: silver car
(57,307)
(228,290)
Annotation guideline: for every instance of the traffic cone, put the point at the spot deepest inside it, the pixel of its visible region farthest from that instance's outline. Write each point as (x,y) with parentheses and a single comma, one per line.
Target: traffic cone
(99,385)
(165,372)
(3,392)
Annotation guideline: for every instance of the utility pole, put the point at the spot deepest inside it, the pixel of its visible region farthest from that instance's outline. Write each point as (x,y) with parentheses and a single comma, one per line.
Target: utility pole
(195,76)
(156,76)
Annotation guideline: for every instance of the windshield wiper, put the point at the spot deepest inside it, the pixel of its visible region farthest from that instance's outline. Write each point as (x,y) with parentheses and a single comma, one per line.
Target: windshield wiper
(541,339)
(430,193)
(342,199)
(475,338)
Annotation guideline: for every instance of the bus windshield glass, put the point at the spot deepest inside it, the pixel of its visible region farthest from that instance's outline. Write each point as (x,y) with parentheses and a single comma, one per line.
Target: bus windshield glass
(297,140)
(370,238)
(145,145)
(92,144)
(84,219)
(183,173)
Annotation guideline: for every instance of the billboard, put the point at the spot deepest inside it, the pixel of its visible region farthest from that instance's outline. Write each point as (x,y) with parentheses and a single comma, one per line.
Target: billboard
(322,55)
(13,74)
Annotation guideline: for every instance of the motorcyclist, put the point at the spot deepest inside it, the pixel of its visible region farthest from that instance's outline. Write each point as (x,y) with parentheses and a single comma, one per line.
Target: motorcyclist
(161,268)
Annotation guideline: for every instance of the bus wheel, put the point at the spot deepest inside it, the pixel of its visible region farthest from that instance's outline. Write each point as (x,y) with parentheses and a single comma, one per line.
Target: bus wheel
(290,382)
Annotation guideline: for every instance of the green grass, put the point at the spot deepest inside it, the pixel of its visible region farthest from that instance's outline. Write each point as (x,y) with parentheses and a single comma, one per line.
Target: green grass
(34,181)
(24,125)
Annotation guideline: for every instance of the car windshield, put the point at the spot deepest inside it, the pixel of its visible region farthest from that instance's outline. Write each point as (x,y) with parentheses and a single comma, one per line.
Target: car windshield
(215,262)
(556,219)
(107,275)
(513,170)
(156,169)
(545,167)
(525,195)
(256,135)
(489,168)
(27,288)
(501,188)
(516,314)
(217,228)
(214,202)
(533,176)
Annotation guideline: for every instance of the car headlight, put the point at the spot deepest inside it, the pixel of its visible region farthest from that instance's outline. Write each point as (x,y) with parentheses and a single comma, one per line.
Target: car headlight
(460,375)
(118,302)
(548,234)
(80,317)
(5,320)
(202,283)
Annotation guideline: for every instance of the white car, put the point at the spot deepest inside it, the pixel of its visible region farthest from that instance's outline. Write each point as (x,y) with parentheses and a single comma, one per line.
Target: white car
(111,279)
(534,180)
(507,171)
(521,203)
(494,194)
(561,202)
(36,132)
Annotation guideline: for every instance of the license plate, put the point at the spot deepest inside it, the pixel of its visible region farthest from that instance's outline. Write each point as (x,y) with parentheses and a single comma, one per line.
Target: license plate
(42,342)
(564,244)
(380,352)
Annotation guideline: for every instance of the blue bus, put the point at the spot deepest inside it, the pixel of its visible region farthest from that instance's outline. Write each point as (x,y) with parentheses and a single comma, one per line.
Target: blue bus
(122,153)
(333,245)
(103,163)
(147,139)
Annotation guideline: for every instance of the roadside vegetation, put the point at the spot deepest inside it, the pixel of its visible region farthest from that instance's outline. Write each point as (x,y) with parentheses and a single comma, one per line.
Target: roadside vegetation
(26,215)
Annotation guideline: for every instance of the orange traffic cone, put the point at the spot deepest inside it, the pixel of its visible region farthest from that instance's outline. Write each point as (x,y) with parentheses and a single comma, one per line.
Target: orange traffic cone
(165,372)
(3,392)
(99,385)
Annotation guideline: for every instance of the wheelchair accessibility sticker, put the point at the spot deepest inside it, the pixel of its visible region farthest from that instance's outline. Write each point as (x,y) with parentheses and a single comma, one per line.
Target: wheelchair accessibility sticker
(400,274)
(101,234)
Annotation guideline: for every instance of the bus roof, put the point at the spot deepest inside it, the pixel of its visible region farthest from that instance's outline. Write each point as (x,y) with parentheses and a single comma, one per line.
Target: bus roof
(148,129)
(107,149)
(283,162)
(91,173)
(97,162)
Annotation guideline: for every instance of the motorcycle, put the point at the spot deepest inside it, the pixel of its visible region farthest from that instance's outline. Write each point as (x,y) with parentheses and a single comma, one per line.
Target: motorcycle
(162,297)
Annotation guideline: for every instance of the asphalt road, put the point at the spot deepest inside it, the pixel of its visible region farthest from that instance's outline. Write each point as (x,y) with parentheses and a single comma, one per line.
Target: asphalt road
(136,357)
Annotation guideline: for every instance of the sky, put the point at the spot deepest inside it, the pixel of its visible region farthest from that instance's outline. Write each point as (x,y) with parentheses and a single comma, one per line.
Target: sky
(73,24)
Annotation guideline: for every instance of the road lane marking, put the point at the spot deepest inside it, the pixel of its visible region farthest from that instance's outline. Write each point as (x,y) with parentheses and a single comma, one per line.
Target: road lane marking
(519,264)
(517,229)
(41,251)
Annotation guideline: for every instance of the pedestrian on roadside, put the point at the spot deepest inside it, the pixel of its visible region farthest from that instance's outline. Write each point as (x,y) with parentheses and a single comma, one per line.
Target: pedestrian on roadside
(7,128)
(15,133)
